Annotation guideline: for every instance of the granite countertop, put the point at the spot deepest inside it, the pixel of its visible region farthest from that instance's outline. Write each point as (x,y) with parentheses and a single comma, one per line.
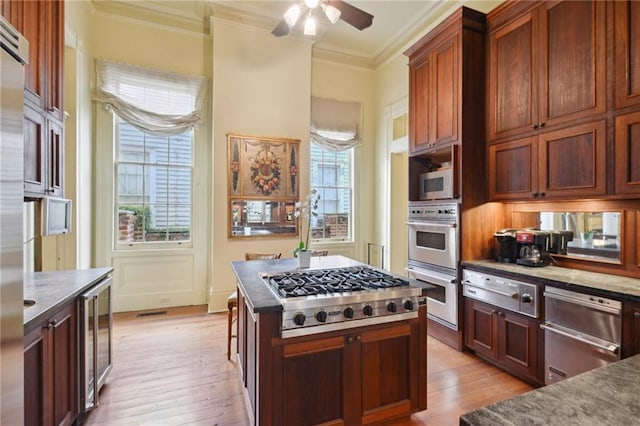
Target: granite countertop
(258,294)
(571,279)
(604,396)
(53,289)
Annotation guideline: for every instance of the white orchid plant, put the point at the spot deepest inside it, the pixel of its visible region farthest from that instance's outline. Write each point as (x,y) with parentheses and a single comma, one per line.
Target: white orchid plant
(306,210)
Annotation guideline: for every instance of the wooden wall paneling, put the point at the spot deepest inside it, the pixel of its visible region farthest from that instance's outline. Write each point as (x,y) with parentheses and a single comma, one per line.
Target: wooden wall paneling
(626,53)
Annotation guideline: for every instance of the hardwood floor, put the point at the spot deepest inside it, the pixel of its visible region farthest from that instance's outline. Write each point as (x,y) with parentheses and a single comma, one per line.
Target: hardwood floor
(171,369)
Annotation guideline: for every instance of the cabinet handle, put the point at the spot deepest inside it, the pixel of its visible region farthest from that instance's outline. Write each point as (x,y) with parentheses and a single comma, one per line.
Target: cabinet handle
(541,125)
(493,312)
(351,339)
(542,194)
(636,315)
(535,195)
(535,126)
(51,324)
(500,314)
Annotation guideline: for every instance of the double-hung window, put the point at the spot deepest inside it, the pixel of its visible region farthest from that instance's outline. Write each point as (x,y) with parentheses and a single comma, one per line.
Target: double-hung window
(334,136)
(332,177)
(156,113)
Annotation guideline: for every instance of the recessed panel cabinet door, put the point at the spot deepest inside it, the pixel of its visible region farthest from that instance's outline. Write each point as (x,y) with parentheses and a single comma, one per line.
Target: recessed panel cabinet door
(572,62)
(573,161)
(446,91)
(481,332)
(627,53)
(420,99)
(518,344)
(512,78)
(627,145)
(65,366)
(513,169)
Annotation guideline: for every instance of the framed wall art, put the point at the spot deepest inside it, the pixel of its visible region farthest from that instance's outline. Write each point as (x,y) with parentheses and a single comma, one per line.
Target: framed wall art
(263,186)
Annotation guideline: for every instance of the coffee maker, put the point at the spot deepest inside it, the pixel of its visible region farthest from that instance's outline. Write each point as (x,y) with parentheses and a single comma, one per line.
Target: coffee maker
(507,245)
(560,241)
(533,247)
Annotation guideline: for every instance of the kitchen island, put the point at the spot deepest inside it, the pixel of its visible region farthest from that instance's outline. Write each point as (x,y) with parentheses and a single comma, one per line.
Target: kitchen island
(356,374)
(605,396)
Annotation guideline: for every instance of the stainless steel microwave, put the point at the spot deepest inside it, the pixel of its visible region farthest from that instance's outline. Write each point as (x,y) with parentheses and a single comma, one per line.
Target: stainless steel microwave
(437,185)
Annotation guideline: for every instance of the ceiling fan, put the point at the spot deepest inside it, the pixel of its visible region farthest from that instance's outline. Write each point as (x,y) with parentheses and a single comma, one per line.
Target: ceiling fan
(333,9)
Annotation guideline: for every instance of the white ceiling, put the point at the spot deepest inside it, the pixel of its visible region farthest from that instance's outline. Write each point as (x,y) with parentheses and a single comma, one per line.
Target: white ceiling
(396,23)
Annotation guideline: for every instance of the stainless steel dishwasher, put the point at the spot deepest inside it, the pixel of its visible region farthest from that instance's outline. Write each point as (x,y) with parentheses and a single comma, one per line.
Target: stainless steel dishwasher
(582,332)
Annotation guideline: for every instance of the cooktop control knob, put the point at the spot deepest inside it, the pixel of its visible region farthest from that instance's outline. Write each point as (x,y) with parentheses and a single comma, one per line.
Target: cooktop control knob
(526,298)
(367,310)
(408,305)
(299,319)
(321,316)
(348,312)
(391,307)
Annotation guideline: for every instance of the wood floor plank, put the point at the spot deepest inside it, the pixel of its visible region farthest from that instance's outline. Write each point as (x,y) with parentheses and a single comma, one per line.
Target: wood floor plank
(171,369)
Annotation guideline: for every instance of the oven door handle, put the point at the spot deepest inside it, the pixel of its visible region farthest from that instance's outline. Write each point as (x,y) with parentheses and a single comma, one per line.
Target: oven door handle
(429,278)
(501,293)
(431,224)
(608,346)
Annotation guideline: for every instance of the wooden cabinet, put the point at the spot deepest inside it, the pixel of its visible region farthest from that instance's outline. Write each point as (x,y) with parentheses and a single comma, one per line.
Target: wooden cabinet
(630,329)
(438,63)
(627,53)
(509,340)
(51,370)
(546,67)
(565,163)
(363,375)
(358,378)
(42,23)
(627,154)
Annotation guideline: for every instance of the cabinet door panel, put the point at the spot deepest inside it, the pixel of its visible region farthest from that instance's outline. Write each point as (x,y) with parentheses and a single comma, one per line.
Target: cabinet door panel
(512,94)
(54,48)
(419,121)
(518,345)
(35,378)
(34,151)
(627,143)
(446,88)
(572,63)
(627,53)
(323,384)
(481,330)
(65,367)
(385,369)
(573,161)
(513,171)
(55,159)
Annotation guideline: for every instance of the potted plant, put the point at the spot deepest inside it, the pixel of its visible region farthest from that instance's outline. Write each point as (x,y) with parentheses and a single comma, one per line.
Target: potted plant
(305,210)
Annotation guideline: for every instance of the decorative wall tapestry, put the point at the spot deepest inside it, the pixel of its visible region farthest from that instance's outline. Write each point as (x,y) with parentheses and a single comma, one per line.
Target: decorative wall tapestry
(263,167)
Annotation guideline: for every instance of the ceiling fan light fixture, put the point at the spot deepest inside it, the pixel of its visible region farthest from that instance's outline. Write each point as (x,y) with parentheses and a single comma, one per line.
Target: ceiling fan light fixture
(312,4)
(310,26)
(333,13)
(292,14)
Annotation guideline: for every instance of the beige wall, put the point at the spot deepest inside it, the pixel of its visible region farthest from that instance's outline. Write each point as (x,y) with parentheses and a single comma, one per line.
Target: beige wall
(261,86)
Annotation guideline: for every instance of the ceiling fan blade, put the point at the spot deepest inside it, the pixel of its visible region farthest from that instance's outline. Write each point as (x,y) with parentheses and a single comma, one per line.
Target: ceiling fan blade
(281,29)
(352,15)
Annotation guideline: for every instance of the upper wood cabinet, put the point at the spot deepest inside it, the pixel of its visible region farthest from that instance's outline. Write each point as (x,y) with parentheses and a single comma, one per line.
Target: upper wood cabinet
(627,147)
(627,53)
(546,66)
(566,163)
(438,64)
(42,23)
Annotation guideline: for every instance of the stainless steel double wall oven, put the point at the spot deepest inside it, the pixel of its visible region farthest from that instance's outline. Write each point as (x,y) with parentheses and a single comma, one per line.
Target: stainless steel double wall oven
(434,240)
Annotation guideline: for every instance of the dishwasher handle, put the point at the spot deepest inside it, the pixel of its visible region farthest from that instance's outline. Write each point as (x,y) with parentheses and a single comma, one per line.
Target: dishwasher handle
(491,290)
(609,347)
(595,306)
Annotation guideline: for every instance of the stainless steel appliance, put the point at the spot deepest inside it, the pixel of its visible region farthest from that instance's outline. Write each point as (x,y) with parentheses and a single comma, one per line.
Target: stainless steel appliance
(433,257)
(13,53)
(582,332)
(96,316)
(321,300)
(437,185)
(534,247)
(516,296)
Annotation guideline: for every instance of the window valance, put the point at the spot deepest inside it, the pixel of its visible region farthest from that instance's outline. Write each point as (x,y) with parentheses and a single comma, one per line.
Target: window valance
(335,124)
(157,102)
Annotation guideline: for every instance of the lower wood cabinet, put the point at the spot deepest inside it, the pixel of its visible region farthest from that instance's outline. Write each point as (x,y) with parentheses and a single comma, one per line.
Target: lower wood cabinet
(365,375)
(509,340)
(630,328)
(51,370)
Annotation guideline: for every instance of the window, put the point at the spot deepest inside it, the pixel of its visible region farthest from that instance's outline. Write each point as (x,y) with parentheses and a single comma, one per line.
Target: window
(332,177)
(153,186)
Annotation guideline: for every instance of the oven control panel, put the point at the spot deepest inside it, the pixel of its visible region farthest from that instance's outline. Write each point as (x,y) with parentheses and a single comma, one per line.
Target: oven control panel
(421,211)
(504,292)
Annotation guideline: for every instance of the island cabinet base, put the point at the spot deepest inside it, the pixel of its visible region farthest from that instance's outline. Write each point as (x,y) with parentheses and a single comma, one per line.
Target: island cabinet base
(351,377)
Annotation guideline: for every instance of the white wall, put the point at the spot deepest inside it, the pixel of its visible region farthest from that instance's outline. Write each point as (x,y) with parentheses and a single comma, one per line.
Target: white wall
(261,86)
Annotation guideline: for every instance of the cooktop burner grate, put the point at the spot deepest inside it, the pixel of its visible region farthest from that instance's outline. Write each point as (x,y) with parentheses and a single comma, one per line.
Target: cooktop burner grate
(330,281)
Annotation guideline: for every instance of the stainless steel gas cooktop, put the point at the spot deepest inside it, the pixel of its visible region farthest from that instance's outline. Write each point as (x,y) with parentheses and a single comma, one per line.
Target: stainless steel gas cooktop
(321,300)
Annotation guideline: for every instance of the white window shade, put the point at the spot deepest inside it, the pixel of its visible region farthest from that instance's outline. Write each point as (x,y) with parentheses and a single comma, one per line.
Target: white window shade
(335,124)
(157,102)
